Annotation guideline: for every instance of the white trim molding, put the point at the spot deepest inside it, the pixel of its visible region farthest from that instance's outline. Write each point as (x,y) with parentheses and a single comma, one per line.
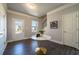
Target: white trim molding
(3,49)
(16,40)
(61,8)
(19,13)
(56,41)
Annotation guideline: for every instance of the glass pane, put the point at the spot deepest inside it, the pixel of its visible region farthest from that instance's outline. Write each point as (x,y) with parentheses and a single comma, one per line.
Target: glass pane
(34,26)
(1,25)
(34,23)
(19,27)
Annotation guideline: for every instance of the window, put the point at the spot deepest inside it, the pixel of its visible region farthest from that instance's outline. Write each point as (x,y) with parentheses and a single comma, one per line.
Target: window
(1,25)
(34,26)
(19,26)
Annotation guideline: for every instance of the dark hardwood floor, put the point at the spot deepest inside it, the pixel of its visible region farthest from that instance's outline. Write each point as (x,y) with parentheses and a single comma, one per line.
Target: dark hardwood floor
(27,47)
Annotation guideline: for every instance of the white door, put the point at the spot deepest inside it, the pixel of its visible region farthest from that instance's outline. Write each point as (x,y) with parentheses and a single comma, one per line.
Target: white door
(75,29)
(78,29)
(69,26)
(2,33)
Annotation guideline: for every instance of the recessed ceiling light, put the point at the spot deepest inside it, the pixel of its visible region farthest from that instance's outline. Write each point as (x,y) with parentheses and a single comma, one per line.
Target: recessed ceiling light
(31,6)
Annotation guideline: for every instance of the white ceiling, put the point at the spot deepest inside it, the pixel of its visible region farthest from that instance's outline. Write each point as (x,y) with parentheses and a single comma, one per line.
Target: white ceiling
(35,9)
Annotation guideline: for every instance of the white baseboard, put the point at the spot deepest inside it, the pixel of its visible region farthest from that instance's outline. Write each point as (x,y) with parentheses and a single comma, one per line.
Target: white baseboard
(16,40)
(28,37)
(56,41)
(61,43)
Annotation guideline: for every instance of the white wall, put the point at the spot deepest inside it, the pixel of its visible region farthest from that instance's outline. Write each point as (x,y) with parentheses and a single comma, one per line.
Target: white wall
(57,34)
(3,38)
(27,25)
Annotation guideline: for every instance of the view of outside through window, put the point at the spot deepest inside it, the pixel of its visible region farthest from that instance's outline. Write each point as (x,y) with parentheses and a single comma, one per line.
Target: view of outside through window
(19,26)
(34,25)
(1,25)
